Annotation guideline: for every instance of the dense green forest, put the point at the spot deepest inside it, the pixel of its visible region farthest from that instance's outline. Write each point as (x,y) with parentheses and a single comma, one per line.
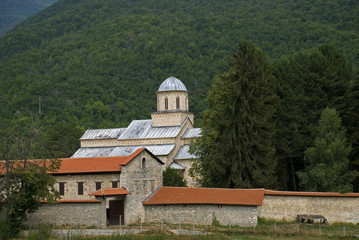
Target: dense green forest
(13,12)
(98,64)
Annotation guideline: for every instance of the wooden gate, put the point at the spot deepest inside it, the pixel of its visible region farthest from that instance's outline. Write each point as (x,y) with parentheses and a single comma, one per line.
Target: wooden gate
(116,209)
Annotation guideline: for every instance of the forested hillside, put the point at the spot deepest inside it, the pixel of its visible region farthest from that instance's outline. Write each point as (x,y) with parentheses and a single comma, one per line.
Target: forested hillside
(98,64)
(13,12)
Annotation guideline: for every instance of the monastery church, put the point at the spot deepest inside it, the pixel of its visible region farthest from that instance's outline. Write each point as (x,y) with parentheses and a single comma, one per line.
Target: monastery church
(167,134)
(115,178)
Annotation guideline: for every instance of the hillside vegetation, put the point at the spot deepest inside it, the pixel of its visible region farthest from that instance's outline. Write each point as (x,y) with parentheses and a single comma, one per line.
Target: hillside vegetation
(98,64)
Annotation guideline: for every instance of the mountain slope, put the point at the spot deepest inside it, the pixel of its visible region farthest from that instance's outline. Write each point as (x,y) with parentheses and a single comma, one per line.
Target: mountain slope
(13,12)
(99,63)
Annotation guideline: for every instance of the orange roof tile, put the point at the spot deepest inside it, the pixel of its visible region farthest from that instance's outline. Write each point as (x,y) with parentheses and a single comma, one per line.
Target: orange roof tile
(110,192)
(223,196)
(310,194)
(95,164)
(90,165)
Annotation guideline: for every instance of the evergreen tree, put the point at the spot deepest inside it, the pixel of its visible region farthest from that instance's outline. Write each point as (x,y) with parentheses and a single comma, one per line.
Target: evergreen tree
(236,147)
(328,160)
(62,140)
(353,128)
(306,84)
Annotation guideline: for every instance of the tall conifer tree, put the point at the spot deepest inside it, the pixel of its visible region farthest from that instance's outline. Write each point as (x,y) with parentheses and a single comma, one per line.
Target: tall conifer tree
(236,147)
(327,160)
(306,84)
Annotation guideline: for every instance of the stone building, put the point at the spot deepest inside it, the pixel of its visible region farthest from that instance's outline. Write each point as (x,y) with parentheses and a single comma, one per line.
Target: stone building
(103,190)
(167,134)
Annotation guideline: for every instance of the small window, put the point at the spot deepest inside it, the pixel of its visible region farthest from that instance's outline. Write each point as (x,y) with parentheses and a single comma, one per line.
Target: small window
(98,185)
(143,163)
(62,188)
(166,103)
(184,205)
(220,206)
(152,185)
(177,103)
(80,188)
(115,184)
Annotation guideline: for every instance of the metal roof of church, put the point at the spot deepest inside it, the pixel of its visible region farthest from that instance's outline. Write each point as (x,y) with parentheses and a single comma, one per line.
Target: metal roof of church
(84,152)
(192,132)
(141,129)
(172,84)
(102,133)
(183,153)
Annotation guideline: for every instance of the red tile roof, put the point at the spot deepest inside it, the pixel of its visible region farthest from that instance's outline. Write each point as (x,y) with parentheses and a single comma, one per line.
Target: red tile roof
(90,165)
(222,196)
(310,194)
(110,192)
(95,164)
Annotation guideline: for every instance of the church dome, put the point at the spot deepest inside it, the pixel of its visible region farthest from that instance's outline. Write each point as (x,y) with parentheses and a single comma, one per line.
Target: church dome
(172,84)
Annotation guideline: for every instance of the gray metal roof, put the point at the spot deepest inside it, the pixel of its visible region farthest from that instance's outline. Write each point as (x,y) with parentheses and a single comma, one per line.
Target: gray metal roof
(102,133)
(183,153)
(192,132)
(178,166)
(142,129)
(172,84)
(84,152)
(158,150)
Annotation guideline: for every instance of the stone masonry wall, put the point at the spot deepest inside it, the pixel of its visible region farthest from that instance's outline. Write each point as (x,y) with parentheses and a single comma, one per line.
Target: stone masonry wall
(89,186)
(203,214)
(70,214)
(140,181)
(334,209)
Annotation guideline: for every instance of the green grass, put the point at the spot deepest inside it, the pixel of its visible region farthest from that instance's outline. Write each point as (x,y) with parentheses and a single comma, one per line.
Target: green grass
(266,229)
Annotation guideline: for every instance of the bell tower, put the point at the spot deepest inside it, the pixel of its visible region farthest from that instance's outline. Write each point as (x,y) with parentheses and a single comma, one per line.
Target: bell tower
(172,104)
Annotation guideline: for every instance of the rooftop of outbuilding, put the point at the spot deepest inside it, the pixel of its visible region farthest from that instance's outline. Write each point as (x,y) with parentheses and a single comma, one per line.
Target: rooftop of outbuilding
(220,196)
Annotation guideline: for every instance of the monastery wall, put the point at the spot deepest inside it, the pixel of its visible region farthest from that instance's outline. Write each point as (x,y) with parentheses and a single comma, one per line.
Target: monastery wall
(80,213)
(202,214)
(89,184)
(334,209)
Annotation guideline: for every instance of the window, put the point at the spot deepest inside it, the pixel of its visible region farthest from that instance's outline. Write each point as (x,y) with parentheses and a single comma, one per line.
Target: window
(152,185)
(177,103)
(114,184)
(166,103)
(62,188)
(98,185)
(80,188)
(143,163)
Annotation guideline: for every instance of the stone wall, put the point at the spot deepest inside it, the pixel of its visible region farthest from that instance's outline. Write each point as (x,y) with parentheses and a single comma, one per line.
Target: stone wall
(62,214)
(202,214)
(334,209)
(140,181)
(89,186)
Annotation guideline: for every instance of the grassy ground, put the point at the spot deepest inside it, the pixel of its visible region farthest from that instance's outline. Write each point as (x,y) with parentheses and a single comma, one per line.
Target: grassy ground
(264,230)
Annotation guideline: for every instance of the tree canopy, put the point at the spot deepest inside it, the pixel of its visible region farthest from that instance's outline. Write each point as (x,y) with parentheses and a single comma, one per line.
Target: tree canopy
(237,148)
(327,168)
